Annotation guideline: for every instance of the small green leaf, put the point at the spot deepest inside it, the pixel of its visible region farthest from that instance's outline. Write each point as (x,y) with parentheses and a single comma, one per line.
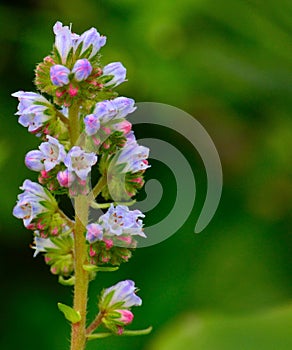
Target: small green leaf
(70,314)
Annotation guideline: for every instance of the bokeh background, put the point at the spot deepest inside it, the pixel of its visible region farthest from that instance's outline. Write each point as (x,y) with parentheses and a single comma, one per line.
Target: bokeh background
(227,63)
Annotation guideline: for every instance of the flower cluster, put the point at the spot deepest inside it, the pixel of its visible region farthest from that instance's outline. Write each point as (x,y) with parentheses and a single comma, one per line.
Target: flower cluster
(125,170)
(39,210)
(58,168)
(111,239)
(73,71)
(108,120)
(83,128)
(58,253)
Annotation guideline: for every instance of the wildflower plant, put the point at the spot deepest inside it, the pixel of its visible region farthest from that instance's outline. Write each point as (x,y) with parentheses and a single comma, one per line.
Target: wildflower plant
(81,124)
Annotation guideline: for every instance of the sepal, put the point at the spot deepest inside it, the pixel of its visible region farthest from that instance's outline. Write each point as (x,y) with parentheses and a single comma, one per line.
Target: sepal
(67,281)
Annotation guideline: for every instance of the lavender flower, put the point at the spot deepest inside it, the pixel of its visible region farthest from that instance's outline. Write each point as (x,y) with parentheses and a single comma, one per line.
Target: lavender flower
(41,245)
(124,106)
(82,69)
(123,294)
(118,71)
(107,111)
(132,156)
(34,160)
(66,178)
(64,40)
(31,202)
(59,75)
(120,220)
(53,152)
(94,232)
(92,124)
(80,162)
(91,38)
(32,109)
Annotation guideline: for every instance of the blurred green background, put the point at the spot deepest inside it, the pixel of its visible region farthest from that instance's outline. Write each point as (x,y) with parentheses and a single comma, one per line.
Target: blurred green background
(227,63)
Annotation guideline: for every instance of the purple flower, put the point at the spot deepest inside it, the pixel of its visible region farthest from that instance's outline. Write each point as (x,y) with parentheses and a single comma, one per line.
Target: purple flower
(32,110)
(41,245)
(124,105)
(66,178)
(64,40)
(133,157)
(53,152)
(34,160)
(122,292)
(118,71)
(59,75)
(80,162)
(92,124)
(94,233)
(120,220)
(82,69)
(106,111)
(30,202)
(91,38)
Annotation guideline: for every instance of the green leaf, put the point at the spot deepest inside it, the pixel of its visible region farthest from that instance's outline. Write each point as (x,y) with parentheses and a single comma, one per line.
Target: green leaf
(70,314)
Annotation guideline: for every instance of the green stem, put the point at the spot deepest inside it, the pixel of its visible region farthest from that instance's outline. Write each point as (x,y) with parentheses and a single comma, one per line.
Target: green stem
(62,117)
(78,335)
(99,186)
(74,123)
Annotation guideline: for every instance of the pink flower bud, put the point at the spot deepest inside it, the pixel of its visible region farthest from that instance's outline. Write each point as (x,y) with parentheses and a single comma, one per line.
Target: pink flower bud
(73,90)
(65,178)
(108,243)
(106,130)
(91,252)
(54,270)
(47,259)
(105,259)
(55,231)
(126,316)
(124,126)
(44,174)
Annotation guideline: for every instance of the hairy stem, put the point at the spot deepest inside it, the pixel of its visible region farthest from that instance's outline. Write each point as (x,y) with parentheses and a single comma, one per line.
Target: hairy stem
(78,335)
(96,322)
(74,123)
